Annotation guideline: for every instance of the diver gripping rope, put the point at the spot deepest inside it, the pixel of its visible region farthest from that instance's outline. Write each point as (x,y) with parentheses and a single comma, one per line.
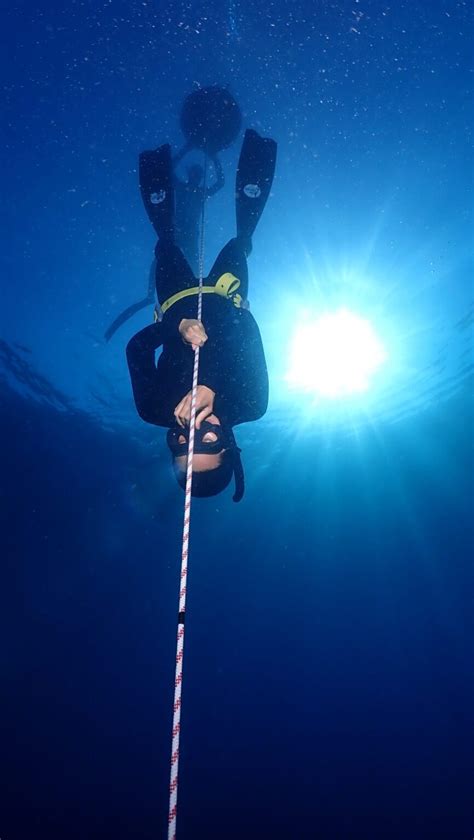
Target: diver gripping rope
(173,800)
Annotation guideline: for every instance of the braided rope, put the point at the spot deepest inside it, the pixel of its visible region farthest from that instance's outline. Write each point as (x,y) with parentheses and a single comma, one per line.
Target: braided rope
(173,800)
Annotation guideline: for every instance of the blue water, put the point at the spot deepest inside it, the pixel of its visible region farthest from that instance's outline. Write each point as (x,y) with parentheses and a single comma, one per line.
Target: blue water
(328,686)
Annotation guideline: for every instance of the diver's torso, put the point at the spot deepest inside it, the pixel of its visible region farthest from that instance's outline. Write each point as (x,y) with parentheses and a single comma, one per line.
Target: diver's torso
(228,351)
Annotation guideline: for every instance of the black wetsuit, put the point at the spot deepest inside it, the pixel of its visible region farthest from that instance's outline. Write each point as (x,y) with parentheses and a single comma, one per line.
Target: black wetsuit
(232,361)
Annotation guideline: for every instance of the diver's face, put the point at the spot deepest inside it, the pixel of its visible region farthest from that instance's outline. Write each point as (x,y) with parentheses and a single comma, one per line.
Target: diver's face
(201,461)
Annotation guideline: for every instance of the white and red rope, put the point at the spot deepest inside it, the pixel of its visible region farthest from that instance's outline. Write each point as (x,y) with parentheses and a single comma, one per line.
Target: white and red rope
(173,800)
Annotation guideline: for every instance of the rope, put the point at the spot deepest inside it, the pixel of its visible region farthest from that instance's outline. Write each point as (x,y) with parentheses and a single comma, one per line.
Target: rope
(173,800)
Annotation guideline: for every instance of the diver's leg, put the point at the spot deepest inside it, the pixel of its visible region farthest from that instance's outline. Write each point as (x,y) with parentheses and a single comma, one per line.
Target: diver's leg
(253,183)
(157,190)
(156,187)
(173,272)
(232,258)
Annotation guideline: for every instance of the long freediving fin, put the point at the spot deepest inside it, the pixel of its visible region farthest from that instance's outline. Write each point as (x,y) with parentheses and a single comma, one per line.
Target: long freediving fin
(253,181)
(157,189)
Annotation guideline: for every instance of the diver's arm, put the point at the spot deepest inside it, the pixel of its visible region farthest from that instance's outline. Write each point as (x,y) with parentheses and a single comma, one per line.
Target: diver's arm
(244,393)
(219,175)
(148,390)
(252,397)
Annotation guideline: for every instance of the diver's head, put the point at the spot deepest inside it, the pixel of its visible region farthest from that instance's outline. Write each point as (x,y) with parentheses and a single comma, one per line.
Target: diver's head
(195,175)
(215,460)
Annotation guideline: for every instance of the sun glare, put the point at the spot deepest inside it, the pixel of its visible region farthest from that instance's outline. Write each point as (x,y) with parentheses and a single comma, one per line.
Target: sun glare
(335,355)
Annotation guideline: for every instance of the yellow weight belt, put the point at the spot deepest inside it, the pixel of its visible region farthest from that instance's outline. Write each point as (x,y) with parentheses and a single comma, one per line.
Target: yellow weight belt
(226,286)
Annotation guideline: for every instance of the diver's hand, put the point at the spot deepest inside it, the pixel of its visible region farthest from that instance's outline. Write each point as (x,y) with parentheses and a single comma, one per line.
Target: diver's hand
(192,332)
(204,406)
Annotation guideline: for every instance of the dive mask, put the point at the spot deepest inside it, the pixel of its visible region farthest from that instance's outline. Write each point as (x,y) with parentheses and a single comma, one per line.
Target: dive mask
(224,440)
(201,447)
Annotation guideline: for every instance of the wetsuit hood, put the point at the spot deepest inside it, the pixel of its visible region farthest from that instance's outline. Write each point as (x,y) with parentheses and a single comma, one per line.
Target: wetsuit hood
(225,441)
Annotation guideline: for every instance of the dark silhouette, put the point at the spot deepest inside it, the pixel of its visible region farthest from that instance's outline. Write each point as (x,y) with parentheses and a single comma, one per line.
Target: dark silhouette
(233,379)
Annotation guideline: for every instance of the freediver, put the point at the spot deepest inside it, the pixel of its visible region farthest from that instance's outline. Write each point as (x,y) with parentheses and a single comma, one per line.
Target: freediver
(233,378)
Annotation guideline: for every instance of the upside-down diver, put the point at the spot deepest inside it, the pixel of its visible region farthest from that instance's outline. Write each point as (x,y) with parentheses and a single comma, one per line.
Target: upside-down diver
(233,378)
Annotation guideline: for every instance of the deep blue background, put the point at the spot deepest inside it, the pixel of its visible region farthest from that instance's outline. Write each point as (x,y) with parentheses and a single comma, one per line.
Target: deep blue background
(328,672)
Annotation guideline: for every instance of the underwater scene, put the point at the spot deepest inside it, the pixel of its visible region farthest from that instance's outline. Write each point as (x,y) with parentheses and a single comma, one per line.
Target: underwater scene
(237,414)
